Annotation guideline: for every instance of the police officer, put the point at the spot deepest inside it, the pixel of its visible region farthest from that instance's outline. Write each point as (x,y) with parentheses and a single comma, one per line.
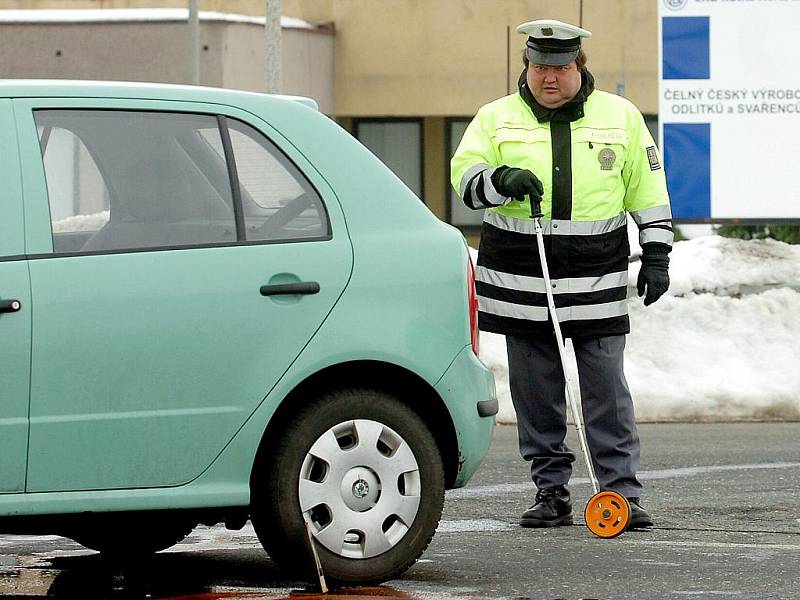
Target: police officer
(588,157)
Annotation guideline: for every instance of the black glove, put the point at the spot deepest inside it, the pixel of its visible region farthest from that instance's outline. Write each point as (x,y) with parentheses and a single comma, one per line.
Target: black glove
(653,275)
(517,183)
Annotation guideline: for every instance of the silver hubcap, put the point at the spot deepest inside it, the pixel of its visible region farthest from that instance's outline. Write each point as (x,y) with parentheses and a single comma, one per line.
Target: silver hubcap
(359,488)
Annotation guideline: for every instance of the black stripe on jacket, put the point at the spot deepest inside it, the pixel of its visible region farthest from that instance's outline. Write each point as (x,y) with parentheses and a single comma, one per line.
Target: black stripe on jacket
(487,290)
(577,255)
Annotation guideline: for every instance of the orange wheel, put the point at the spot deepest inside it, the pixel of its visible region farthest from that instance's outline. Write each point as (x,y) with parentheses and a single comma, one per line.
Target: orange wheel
(607,514)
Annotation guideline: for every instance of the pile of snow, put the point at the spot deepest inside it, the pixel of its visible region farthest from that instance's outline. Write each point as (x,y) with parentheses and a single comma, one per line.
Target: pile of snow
(728,266)
(722,344)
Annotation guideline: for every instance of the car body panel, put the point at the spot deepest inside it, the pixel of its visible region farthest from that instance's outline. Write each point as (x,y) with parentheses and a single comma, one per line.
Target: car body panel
(12,234)
(201,345)
(15,327)
(466,383)
(15,355)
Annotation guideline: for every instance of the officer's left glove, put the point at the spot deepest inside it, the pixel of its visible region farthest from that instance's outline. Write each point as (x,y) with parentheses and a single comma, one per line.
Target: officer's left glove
(653,274)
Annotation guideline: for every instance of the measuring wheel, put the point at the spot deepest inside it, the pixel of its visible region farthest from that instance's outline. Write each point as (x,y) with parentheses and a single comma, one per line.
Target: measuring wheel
(607,514)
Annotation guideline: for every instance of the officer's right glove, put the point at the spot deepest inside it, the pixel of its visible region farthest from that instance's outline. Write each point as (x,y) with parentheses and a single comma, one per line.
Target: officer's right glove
(653,278)
(517,183)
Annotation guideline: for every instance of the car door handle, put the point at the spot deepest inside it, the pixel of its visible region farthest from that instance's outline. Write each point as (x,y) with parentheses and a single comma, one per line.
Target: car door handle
(9,306)
(284,289)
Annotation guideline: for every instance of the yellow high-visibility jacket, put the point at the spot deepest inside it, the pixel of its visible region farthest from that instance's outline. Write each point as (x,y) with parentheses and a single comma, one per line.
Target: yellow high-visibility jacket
(595,169)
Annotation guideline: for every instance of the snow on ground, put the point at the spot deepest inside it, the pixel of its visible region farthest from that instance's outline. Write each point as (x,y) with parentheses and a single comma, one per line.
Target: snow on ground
(722,344)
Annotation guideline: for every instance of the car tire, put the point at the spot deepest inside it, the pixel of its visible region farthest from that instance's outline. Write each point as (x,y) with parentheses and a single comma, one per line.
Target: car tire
(369,476)
(135,536)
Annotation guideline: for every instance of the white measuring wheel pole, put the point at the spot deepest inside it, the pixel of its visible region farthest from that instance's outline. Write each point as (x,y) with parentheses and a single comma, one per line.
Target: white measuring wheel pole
(573,403)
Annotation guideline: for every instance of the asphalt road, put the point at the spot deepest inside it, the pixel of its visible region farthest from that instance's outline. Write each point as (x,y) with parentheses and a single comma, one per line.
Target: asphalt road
(725,498)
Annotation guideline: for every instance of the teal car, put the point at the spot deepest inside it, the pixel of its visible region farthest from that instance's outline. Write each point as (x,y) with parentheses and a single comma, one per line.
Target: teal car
(215,307)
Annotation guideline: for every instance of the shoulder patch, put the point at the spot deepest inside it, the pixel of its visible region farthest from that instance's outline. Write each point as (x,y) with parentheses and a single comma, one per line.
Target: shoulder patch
(652,158)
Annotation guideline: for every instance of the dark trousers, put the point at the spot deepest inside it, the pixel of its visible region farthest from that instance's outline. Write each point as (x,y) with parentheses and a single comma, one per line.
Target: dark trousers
(539,398)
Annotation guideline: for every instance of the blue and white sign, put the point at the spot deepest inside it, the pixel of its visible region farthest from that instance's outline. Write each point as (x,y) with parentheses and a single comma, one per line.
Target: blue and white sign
(729,107)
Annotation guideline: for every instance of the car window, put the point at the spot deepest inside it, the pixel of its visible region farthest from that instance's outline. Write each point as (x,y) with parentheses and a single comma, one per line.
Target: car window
(278,201)
(131,180)
(79,198)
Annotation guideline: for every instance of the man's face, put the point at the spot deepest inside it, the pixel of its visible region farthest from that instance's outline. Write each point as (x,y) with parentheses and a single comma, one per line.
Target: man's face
(554,86)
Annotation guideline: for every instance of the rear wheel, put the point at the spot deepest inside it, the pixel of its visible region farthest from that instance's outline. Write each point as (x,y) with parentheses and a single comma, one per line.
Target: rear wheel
(363,470)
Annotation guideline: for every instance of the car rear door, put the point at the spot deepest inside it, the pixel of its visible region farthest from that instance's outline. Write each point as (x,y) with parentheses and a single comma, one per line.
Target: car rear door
(15,314)
(181,259)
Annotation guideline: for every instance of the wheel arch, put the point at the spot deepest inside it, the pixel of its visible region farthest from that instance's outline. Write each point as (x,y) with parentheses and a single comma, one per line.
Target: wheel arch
(405,385)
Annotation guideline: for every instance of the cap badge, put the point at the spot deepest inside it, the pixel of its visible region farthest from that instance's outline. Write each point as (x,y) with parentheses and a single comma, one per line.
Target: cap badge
(547,31)
(606,158)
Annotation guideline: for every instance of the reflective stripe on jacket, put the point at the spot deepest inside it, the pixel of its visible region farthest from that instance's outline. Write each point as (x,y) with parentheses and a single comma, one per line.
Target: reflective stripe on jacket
(594,170)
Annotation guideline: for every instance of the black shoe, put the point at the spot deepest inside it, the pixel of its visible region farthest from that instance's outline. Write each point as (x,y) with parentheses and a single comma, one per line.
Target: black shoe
(639,517)
(552,507)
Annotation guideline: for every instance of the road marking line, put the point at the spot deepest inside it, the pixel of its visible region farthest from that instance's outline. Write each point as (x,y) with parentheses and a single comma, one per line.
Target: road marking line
(490,490)
(471,525)
(689,471)
(723,545)
(705,593)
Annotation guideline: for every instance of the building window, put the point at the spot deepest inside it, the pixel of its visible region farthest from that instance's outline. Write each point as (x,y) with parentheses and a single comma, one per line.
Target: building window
(652,124)
(459,214)
(398,143)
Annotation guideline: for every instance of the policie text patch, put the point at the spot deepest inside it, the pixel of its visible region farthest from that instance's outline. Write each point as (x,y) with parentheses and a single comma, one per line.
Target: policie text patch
(652,158)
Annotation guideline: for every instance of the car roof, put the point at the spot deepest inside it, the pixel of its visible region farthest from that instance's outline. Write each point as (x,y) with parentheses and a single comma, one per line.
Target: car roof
(37,88)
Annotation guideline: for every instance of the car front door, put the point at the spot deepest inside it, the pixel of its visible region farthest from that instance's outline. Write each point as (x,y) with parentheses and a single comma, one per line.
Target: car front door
(183,258)
(15,314)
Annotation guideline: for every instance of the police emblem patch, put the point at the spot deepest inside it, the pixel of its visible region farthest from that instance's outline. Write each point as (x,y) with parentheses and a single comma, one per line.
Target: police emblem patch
(606,158)
(652,158)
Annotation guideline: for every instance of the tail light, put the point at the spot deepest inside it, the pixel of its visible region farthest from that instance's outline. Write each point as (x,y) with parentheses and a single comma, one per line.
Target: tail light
(473,307)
